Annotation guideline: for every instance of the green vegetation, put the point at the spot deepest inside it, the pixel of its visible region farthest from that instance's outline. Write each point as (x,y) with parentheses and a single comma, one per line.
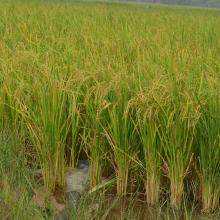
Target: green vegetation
(134,89)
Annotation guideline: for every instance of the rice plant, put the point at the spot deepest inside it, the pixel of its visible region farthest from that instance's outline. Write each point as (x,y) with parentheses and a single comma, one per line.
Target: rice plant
(147,125)
(74,116)
(152,159)
(177,133)
(94,135)
(209,153)
(133,90)
(48,125)
(120,134)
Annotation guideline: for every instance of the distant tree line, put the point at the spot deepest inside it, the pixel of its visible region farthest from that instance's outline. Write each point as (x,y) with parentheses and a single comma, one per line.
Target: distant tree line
(207,3)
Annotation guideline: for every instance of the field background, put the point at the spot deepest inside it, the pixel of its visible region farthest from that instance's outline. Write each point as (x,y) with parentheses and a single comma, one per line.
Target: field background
(132,88)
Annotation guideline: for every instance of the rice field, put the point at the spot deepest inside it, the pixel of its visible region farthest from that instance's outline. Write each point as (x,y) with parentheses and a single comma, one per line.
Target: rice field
(132,88)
